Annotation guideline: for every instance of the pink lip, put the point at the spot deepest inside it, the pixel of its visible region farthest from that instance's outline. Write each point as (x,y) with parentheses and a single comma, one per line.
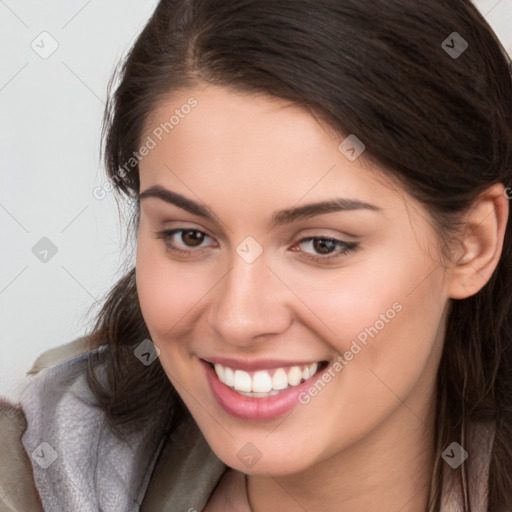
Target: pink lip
(255,365)
(252,408)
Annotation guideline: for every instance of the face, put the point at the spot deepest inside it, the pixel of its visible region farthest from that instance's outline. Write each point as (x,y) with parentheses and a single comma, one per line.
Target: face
(295,295)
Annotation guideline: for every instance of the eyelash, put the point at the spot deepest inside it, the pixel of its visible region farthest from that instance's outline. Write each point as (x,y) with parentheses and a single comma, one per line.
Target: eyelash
(346,247)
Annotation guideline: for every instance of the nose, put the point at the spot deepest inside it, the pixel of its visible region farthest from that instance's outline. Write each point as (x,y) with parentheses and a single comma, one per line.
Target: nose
(250,304)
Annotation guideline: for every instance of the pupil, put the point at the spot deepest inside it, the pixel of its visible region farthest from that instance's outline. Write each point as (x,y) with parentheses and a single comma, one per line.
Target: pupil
(192,238)
(323,246)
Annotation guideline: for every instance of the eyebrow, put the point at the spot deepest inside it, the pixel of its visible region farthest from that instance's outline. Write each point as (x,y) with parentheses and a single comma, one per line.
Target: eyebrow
(279,218)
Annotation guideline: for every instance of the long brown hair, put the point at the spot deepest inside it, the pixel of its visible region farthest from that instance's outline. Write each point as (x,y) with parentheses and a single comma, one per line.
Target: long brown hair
(440,123)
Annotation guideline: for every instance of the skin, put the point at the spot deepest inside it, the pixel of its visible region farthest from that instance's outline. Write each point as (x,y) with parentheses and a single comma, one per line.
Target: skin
(365,442)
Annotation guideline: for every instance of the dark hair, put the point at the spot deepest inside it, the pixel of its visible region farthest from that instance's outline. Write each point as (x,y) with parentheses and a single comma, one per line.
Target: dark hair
(441,124)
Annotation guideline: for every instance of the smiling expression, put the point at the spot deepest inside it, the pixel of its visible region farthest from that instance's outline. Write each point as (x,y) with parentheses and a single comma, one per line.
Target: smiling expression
(263,250)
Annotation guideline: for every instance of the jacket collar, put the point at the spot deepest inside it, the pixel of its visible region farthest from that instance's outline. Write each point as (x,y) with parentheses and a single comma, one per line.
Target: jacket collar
(78,464)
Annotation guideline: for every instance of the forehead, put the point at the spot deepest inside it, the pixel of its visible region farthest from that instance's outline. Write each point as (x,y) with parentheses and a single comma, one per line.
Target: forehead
(247,145)
(211,115)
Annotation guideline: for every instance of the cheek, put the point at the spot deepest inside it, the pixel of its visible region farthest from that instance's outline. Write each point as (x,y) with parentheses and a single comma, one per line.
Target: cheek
(385,329)
(167,294)
(383,313)
(352,302)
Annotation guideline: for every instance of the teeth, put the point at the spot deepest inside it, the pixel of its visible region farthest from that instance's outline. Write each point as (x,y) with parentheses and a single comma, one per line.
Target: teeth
(262,383)
(242,381)
(279,379)
(229,376)
(220,372)
(259,395)
(294,376)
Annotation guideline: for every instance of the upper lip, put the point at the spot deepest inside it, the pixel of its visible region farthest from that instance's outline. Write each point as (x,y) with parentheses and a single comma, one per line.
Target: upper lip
(258,364)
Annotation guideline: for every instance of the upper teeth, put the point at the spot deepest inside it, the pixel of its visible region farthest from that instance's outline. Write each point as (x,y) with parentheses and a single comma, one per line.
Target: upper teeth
(263,381)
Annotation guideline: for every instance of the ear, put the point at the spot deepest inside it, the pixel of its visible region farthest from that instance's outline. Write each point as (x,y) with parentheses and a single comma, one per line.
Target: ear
(481,243)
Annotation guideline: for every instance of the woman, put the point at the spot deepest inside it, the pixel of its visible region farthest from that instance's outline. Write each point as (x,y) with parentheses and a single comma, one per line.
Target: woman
(319,317)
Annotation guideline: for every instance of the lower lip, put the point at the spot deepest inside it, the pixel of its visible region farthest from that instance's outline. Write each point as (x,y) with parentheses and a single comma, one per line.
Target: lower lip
(252,408)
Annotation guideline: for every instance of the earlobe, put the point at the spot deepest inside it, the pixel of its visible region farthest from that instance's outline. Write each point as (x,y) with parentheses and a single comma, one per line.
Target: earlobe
(481,243)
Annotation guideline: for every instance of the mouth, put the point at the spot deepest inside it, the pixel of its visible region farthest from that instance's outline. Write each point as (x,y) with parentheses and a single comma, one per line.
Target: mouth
(260,391)
(264,383)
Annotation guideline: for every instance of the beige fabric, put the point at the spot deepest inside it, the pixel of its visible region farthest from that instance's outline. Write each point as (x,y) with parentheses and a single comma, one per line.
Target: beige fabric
(17,489)
(60,354)
(185,474)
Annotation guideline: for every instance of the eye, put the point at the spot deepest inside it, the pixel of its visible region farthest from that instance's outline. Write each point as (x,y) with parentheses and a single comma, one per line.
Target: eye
(186,242)
(183,241)
(324,248)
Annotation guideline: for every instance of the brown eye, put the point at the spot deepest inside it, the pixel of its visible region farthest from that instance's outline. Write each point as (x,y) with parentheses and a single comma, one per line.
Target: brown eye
(324,245)
(192,238)
(185,242)
(325,249)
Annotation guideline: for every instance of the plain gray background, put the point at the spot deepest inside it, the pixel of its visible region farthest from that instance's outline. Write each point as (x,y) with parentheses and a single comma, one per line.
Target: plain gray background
(53,184)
